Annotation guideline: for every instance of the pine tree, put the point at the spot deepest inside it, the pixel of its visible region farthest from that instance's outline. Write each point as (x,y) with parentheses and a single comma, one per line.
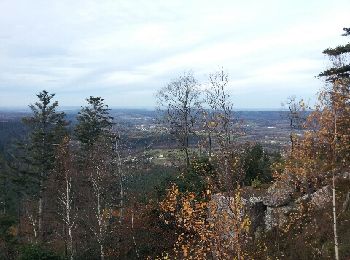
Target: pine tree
(341,68)
(47,128)
(94,122)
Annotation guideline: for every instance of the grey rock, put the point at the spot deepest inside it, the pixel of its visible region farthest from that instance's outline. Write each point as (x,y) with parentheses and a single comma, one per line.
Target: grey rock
(279,194)
(277,217)
(321,197)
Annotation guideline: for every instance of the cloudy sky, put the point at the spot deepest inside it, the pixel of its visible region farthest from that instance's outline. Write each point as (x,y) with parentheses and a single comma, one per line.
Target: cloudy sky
(124,50)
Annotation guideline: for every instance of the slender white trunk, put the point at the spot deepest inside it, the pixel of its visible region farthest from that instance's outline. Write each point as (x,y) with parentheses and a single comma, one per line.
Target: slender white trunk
(69,220)
(70,243)
(121,178)
(133,237)
(33,223)
(336,246)
(40,216)
(100,225)
(100,231)
(102,254)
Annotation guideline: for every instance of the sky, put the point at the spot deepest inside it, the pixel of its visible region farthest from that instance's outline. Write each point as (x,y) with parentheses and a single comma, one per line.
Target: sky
(126,50)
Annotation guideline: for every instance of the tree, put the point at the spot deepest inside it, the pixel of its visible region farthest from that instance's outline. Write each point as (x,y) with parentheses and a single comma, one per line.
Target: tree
(337,98)
(341,68)
(219,119)
(257,165)
(221,127)
(179,103)
(207,226)
(102,159)
(103,189)
(65,172)
(296,116)
(94,121)
(323,152)
(47,128)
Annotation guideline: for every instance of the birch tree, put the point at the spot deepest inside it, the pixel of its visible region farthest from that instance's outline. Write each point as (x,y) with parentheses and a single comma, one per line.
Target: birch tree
(65,172)
(102,197)
(179,103)
(323,152)
(100,147)
(221,127)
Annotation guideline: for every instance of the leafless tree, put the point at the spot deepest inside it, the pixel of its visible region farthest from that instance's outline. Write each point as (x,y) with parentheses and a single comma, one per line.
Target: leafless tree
(102,181)
(221,126)
(65,171)
(180,104)
(296,116)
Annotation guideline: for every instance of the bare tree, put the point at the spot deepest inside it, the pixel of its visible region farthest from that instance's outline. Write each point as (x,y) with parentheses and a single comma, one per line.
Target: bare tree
(102,181)
(296,116)
(221,126)
(179,103)
(221,106)
(65,171)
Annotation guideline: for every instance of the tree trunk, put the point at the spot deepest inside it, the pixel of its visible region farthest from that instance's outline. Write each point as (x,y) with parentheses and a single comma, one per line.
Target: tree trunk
(102,252)
(187,158)
(121,179)
(133,236)
(210,145)
(40,217)
(70,243)
(336,246)
(68,217)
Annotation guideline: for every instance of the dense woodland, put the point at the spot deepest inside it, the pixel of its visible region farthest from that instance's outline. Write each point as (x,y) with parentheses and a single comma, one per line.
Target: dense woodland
(77,188)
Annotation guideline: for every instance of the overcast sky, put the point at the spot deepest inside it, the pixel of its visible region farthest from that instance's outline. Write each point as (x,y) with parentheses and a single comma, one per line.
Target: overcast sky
(124,50)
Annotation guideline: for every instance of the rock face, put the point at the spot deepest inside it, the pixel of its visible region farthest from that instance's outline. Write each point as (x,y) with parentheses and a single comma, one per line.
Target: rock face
(270,208)
(321,197)
(277,217)
(279,194)
(255,208)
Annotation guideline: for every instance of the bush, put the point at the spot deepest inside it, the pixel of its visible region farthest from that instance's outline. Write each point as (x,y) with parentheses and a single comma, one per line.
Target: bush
(256,183)
(37,252)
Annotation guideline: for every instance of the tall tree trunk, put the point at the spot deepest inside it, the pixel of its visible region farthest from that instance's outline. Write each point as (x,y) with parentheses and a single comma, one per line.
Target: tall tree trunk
(336,246)
(102,252)
(187,158)
(70,243)
(210,145)
(121,179)
(40,217)
(69,220)
(186,151)
(133,235)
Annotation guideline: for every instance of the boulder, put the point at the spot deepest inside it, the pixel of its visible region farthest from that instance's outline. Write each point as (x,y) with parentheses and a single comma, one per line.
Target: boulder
(279,194)
(321,197)
(277,217)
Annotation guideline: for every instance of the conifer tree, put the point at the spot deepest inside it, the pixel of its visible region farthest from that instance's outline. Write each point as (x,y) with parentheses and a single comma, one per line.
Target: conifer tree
(341,68)
(94,121)
(47,128)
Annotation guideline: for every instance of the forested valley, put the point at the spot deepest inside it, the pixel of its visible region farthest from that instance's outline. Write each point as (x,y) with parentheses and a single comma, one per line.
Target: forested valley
(188,182)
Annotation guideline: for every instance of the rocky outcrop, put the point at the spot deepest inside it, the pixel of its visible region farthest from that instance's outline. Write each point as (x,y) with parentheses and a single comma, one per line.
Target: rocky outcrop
(271,207)
(321,197)
(279,194)
(277,216)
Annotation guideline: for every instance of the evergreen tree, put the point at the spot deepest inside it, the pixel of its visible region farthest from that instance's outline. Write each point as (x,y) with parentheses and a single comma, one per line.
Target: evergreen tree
(47,128)
(341,68)
(94,122)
